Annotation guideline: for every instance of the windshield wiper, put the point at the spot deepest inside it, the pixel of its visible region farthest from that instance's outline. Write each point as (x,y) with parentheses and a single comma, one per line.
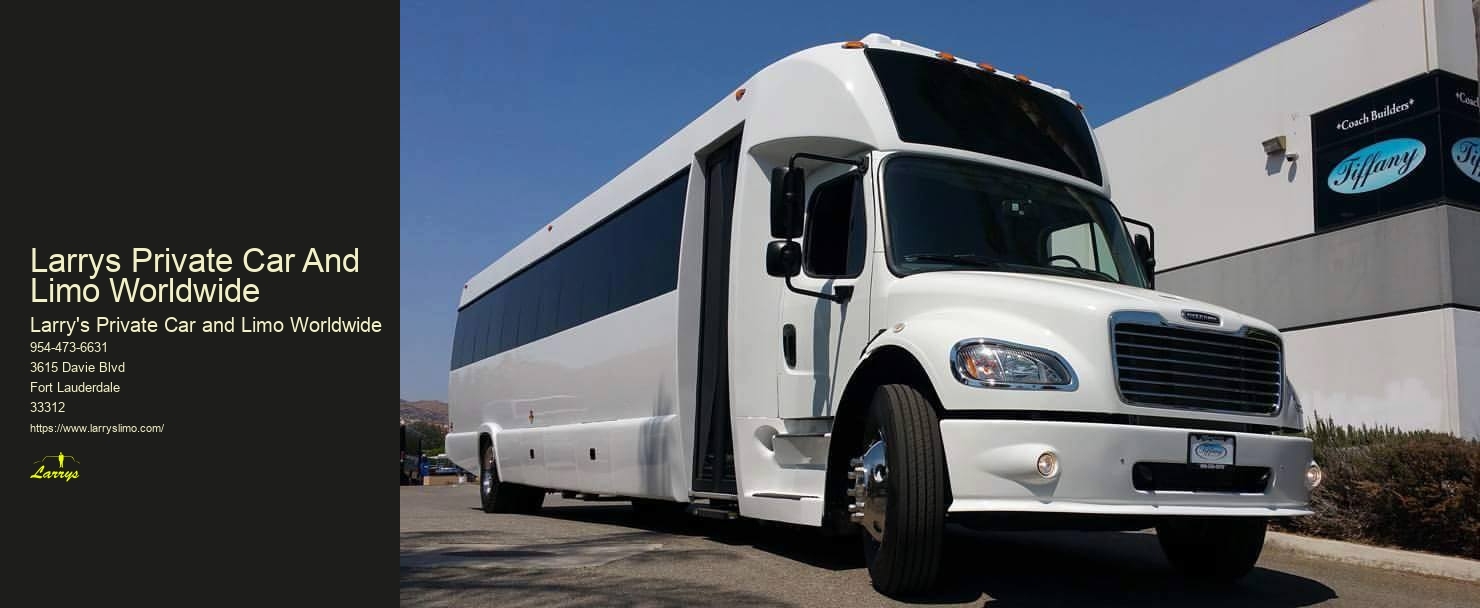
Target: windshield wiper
(967,259)
(1085,273)
(977,261)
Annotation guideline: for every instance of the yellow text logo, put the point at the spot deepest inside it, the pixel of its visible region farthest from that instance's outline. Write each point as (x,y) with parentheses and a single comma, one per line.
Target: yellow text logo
(61,472)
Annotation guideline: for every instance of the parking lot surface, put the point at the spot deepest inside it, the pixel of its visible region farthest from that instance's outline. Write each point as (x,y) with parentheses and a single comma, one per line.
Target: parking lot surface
(578,553)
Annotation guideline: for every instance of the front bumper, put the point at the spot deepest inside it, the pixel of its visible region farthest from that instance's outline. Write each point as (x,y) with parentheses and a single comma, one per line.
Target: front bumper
(991,470)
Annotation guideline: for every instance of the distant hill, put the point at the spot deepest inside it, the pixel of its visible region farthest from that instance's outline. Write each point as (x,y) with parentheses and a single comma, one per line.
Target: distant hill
(434,412)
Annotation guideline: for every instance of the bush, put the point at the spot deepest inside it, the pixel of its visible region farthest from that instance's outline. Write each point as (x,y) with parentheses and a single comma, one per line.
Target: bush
(1410,489)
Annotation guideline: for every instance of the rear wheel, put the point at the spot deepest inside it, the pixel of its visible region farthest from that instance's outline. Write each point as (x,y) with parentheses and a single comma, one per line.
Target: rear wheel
(501,497)
(899,491)
(1213,549)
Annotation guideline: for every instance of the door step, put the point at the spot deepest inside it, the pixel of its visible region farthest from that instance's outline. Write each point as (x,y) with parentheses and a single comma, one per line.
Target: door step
(709,512)
(589,497)
(801,449)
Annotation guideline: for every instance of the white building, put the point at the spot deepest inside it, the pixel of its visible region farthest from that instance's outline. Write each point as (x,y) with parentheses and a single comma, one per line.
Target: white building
(1329,185)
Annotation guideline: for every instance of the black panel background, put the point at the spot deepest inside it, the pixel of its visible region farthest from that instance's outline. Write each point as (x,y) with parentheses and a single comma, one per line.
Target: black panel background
(1435,116)
(198,126)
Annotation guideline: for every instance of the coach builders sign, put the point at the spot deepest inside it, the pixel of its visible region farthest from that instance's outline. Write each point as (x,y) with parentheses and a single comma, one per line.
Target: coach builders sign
(1411,144)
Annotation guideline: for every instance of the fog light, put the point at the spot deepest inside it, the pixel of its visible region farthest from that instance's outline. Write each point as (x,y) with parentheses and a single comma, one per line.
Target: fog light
(1312,476)
(1048,465)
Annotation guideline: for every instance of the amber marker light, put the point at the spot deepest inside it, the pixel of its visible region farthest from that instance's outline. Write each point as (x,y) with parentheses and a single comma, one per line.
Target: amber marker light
(1023,79)
(946,56)
(854,44)
(988,67)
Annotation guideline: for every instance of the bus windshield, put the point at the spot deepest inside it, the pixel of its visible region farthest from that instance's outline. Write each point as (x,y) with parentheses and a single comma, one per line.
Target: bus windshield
(953,215)
(942,103)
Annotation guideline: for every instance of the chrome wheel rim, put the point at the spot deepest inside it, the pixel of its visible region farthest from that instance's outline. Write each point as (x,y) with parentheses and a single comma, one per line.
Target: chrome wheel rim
(487,481)
(870,491)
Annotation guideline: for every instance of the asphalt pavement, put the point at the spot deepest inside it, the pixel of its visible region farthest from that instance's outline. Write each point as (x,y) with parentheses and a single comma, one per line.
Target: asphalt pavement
(599,554)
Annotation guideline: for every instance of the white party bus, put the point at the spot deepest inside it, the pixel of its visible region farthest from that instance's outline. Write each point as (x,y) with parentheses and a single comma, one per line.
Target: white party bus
(877,288)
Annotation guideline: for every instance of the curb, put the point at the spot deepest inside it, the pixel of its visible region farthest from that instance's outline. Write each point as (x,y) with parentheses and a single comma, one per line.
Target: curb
(1377,557)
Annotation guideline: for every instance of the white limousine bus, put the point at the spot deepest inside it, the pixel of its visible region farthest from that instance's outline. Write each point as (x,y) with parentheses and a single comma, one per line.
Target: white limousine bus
(877,288)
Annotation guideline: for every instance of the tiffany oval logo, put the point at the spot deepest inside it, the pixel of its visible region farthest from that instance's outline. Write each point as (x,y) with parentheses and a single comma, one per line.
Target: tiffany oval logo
(1211,451)
(1467,156)
(1376,166)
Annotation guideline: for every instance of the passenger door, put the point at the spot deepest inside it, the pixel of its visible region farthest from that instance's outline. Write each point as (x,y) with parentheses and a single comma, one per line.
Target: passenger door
(714,450)
(818,341)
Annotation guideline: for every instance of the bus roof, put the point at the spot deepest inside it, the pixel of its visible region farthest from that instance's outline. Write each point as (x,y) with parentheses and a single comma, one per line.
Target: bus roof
(808,94)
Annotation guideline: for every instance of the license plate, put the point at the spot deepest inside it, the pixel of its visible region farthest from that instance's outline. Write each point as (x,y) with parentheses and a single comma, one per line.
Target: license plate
(1210,451)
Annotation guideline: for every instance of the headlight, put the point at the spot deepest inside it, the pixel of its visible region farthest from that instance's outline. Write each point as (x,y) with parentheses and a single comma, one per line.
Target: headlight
(993,364)
(1313,475)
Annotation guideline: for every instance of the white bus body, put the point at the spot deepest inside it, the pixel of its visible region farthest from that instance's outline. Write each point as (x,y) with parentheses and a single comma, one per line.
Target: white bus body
(651,361)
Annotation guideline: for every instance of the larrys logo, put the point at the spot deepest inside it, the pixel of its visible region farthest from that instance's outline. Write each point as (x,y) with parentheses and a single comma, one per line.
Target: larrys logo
(61,472)
(1466,154)
(1376,166)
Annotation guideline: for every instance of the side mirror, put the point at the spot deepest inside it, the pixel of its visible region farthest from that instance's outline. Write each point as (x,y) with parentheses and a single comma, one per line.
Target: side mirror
(1147,257)
(788,189)
(783,259)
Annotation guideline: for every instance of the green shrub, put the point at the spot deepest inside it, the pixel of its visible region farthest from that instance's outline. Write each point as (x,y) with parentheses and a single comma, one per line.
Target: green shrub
(1410,489)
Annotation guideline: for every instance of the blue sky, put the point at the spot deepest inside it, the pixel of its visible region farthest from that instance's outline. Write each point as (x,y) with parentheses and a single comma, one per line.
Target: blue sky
(512,112)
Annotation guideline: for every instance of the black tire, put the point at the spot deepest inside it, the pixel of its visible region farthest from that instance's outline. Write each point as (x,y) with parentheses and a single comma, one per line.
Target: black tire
(501,497)
(659,512)
(531,498)
(1212,549)
(907,559)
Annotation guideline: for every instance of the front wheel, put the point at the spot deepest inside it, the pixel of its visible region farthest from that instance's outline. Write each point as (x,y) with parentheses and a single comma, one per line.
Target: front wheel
(899,491)
(1214,549)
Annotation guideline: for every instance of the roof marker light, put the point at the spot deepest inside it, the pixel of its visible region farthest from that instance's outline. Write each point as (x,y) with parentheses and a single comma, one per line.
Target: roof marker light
(988,67)
(854,44)
(1023,79)
(1080,106)
(739,93)
(946,56)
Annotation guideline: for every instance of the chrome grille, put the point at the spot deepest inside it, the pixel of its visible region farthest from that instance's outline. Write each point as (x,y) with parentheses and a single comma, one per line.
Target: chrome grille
(1162,365)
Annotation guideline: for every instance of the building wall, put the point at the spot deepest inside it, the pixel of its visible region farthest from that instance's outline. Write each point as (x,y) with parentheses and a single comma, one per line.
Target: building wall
(1467,365)
(1422,259)
(1399,371)
(1380,319)
(1193,159)
(1455,41)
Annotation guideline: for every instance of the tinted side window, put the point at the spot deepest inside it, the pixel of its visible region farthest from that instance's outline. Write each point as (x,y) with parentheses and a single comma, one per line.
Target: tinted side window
(493,324)
(459,337)
(508,336)
(528,289)
(626,240)
(630,257)
(601,250)
(549,271)
(835,233)
(479,310)
(572,283)
(665,228)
